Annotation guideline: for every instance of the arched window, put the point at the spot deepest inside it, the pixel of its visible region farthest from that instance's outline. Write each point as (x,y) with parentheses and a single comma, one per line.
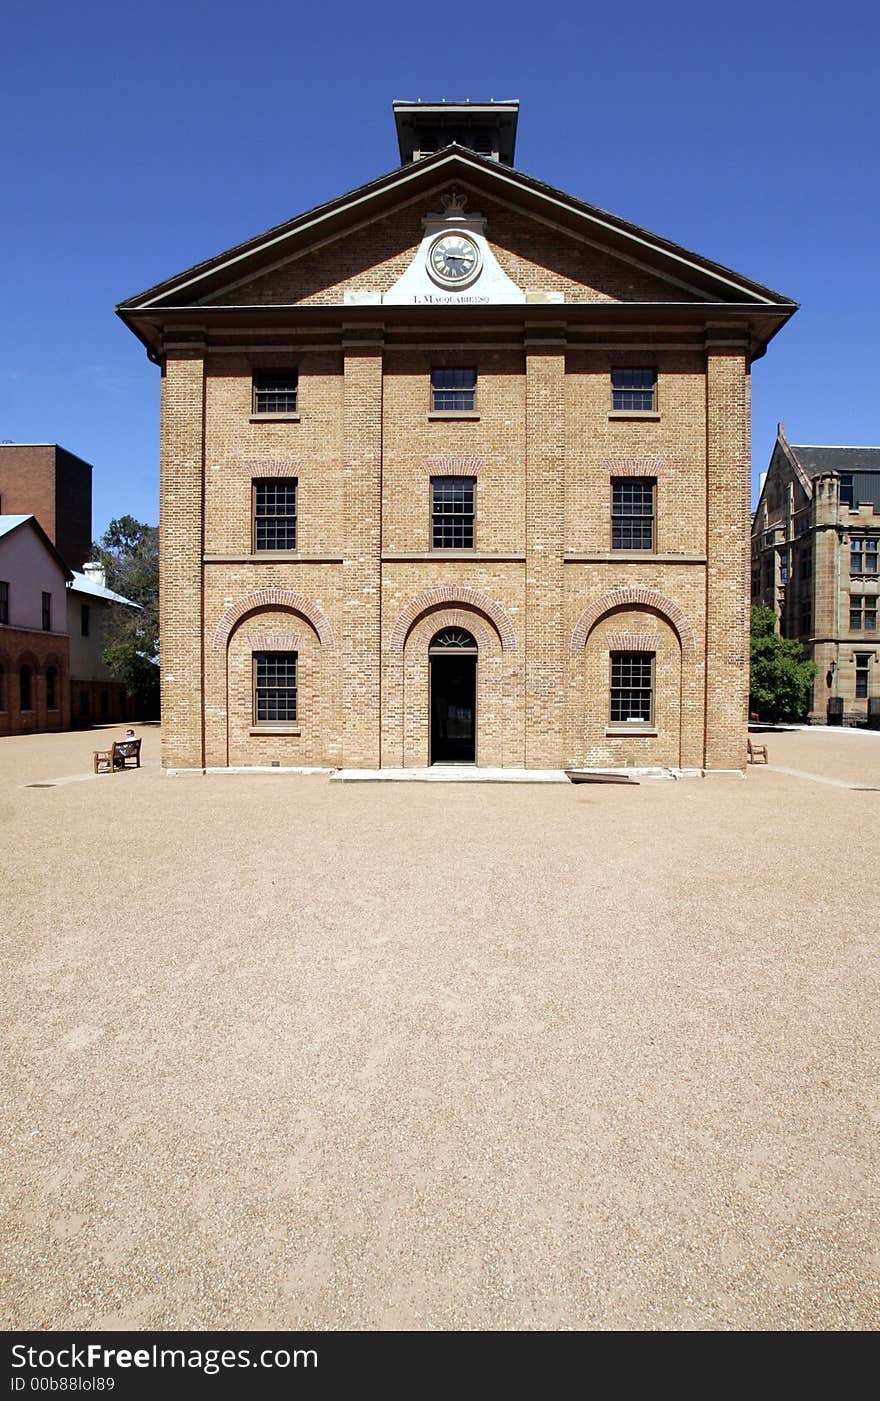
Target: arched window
(452,640)
(51,688)
(25,681)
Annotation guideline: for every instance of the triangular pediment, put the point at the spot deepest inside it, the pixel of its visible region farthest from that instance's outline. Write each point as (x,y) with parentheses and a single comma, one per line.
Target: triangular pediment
(551,246)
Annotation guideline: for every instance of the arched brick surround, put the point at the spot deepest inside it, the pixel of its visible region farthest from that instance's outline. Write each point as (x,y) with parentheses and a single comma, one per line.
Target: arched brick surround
(464,597)
(415,669)
(635,598)
(308,740)
(274,598)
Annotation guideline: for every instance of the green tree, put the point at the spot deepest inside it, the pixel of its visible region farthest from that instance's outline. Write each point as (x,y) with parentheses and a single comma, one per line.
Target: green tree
(780,676)
(129,552)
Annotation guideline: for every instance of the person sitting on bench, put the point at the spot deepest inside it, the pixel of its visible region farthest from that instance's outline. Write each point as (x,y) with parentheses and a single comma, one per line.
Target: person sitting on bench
(123,749)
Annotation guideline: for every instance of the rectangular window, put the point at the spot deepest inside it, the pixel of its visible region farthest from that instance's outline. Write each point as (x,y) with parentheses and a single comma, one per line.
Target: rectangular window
(634,391)
(4,601)
(783,568)
(275,391)
(632,688)
(863,554)
(453,391)
(47,612)
(274,688)
(862,613)
(452,513)
(863,661)
(846,489)
(84,619)
(632,513)
(806,616)
(275,515)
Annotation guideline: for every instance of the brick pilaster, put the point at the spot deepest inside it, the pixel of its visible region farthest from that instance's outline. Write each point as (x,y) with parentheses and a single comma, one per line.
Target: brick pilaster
(362,563)
(544,516)
(728,469)
(180,558)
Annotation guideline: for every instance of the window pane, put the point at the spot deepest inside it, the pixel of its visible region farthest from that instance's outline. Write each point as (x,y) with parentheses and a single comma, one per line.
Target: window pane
(274,687)
(275,515)
(453,390)
(633,390)
(631,686)
(452,513)
(632,513)
(275,391)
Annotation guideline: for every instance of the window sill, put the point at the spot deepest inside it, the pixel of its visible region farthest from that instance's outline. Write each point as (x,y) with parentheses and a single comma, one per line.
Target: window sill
(275,730)
(453,413)
(407,556)
(631,557)
(273,557)
(274,418)
(647,415)
(616,731)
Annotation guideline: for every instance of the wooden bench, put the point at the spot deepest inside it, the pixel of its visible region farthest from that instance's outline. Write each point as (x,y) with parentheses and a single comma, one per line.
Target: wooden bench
(757,753)
(122,754)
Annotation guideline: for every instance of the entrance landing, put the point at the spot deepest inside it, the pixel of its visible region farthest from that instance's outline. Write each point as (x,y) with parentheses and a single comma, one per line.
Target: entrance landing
(452,773)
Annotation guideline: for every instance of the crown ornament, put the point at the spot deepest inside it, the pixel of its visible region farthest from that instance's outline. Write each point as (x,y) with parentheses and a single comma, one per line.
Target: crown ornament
(453,202)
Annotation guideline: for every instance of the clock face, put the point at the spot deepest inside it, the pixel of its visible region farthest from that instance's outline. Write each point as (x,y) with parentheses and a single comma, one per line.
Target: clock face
(454,260)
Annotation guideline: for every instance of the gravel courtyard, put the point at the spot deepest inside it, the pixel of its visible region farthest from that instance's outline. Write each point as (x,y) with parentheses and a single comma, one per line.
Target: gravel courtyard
(291,1054)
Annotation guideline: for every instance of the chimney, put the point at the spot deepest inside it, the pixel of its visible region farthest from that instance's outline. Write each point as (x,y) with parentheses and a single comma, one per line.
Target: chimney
(96,573)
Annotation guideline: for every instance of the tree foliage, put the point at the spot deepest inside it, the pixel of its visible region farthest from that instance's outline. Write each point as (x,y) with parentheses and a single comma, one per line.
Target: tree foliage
(129,552)
(781,676)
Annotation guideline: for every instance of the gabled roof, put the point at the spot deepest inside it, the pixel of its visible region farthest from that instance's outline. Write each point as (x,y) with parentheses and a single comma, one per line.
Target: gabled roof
(81,583)
(10,523)
(831,459)
(698,277)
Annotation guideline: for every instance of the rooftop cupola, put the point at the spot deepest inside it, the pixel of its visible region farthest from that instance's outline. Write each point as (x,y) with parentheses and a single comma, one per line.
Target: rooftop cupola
(489,128)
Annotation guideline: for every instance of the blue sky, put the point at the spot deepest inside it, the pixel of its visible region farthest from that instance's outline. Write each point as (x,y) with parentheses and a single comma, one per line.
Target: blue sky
(141,139)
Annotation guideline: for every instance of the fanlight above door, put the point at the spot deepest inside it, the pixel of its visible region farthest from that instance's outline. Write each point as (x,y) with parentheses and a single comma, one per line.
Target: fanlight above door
(452,640)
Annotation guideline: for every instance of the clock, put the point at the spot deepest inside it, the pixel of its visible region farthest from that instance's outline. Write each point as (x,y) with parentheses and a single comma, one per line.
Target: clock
(454,260)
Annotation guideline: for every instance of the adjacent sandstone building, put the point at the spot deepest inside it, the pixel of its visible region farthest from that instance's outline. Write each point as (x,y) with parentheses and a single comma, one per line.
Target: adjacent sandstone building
(815,545)
(455,468)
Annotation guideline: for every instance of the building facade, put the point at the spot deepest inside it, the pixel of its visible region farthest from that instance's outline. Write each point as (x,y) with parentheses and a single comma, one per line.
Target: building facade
(815,544)
(47,481)
(34,650)
(455,468)
(95,697)
(54,676)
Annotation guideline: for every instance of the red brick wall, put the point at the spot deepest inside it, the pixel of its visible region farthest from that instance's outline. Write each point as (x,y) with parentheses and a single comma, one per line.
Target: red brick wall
(38,650)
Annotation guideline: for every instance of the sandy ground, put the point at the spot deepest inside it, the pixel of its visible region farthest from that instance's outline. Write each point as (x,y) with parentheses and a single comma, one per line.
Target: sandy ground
(283,1053)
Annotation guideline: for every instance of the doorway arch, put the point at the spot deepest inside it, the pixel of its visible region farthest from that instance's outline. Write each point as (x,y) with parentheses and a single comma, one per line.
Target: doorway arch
(452,670)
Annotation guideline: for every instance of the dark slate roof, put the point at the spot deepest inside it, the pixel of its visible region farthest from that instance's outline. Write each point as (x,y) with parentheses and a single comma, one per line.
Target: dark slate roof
(816,459)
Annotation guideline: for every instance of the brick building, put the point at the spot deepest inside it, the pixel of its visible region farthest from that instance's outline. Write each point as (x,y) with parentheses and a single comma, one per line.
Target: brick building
(47,481)
(455,468)
(815,544)
(34,650)
(52,675)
